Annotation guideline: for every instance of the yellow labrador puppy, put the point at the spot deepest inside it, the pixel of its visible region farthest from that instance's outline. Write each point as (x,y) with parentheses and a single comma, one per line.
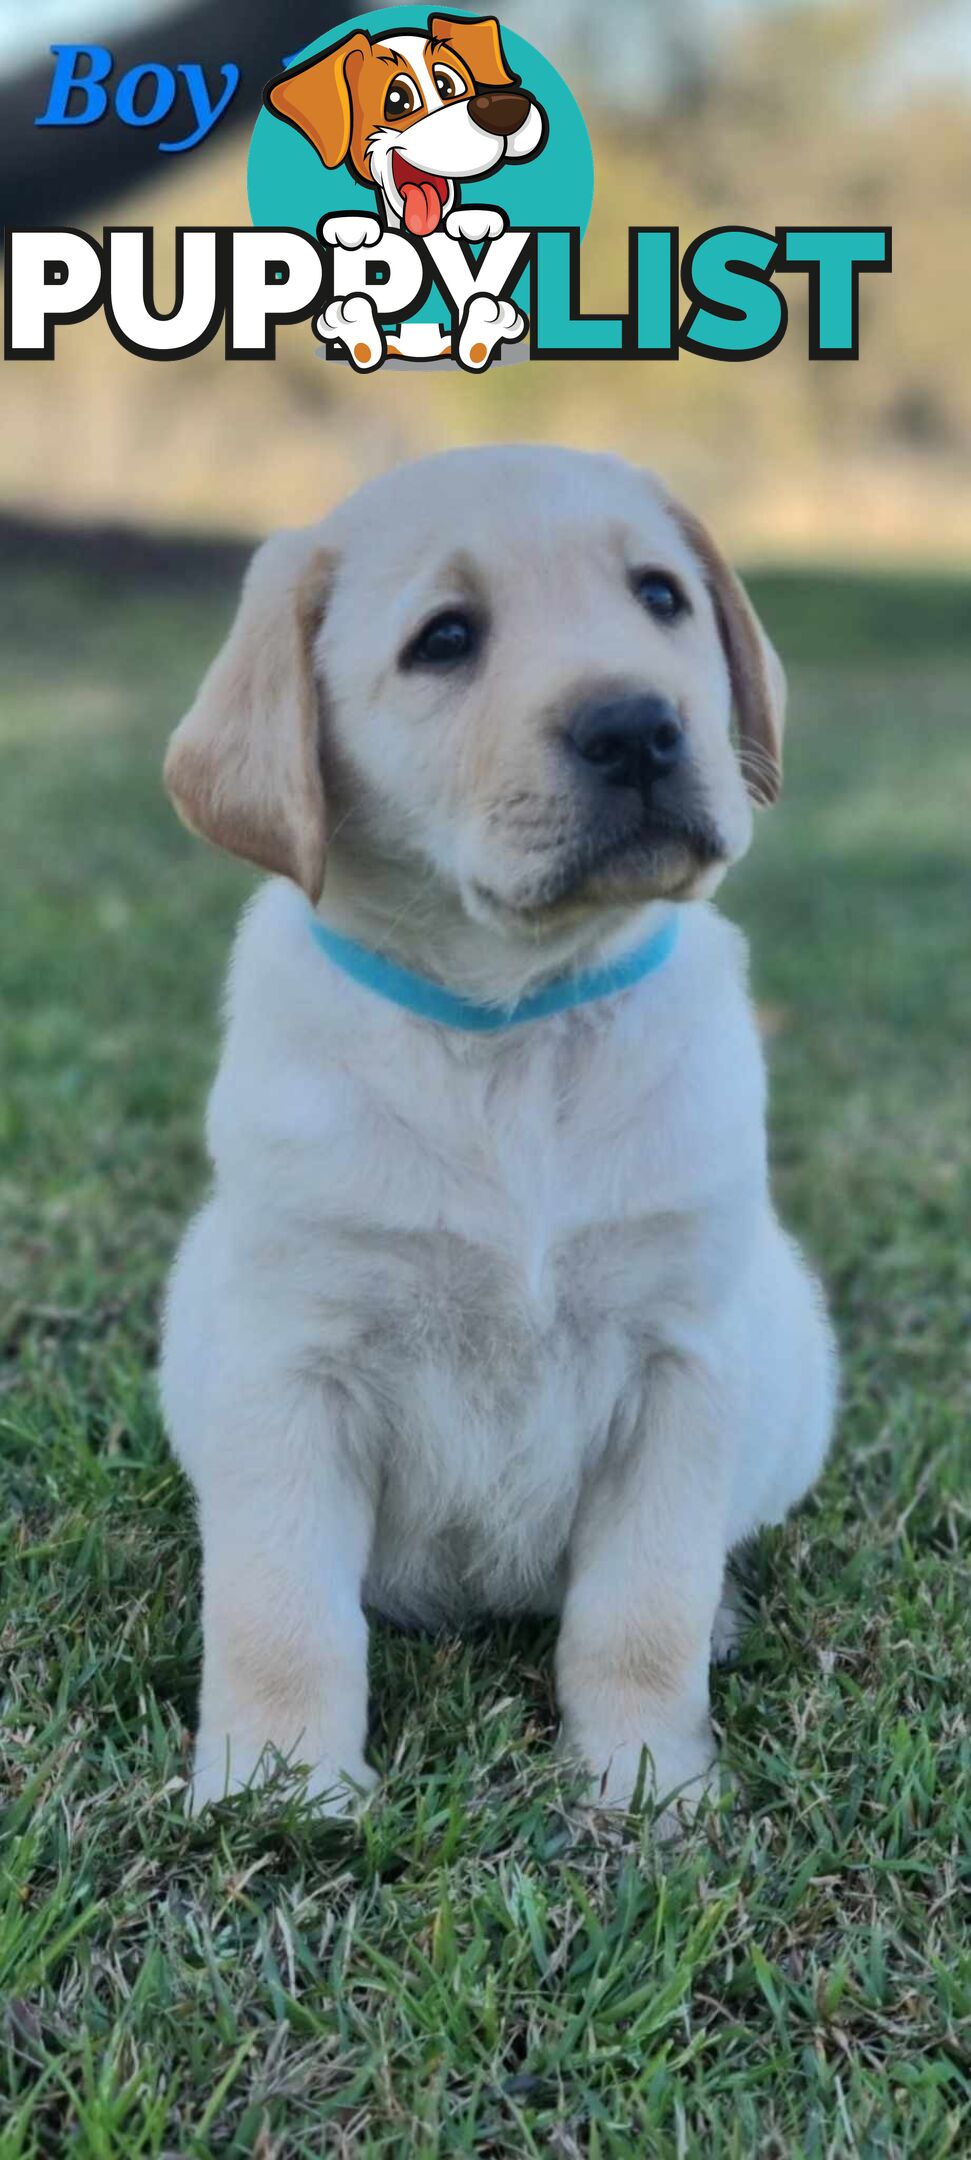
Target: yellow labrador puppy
(489,1310)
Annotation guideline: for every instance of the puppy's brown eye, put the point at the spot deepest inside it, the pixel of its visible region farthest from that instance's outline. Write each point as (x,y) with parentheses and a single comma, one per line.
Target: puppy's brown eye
(660,595)
(447,639)
(401,100)
(448,86)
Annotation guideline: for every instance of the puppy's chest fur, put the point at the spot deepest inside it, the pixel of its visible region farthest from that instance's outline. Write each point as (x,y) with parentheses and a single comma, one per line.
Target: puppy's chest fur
(474,1250)
(501,1374)
(483,1267)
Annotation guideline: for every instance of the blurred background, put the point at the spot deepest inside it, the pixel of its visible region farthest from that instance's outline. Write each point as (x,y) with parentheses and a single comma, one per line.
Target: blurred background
(711,112)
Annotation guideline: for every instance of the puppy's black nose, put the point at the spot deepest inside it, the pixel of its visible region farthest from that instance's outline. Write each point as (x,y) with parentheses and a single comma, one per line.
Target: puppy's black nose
(500,112)
(631,742)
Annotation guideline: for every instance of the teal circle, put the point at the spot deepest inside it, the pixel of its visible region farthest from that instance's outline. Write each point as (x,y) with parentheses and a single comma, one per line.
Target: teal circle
(289,186)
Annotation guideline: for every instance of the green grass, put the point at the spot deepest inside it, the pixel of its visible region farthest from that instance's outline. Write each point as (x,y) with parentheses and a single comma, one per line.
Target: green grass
(479,1968)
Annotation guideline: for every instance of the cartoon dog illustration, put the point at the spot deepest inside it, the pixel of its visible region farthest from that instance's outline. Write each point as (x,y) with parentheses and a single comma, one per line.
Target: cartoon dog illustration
(412,116)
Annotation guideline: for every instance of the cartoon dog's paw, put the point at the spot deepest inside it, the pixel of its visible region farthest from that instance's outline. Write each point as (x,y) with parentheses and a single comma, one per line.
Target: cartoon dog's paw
(475,222)
(354,324)
(487,323)
(350,231)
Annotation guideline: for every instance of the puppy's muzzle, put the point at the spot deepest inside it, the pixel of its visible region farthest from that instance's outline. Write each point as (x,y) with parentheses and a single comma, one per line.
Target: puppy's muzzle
(500,112)
(628,743)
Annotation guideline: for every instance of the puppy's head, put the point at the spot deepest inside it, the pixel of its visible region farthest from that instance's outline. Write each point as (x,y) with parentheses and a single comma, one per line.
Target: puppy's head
(414,113)
(511,672)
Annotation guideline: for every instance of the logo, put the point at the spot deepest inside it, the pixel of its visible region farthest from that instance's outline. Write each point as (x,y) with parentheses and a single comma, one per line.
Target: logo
(420,186)
(424,150)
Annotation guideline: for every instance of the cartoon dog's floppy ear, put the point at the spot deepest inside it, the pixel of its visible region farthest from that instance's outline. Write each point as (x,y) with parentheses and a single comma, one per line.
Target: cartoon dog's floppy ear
(316,98)
(479,44)
(757,675)
(243,767)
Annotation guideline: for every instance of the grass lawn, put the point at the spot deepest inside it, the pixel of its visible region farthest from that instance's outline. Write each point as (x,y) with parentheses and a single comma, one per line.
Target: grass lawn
(479,1968)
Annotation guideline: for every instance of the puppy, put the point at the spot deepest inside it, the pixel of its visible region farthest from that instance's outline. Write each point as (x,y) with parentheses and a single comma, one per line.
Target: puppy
(412,116)
(489,1310)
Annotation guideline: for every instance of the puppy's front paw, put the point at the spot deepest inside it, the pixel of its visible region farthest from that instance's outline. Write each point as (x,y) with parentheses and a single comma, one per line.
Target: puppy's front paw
(354,324)
(224,1766)
(676,1770)
(475,222)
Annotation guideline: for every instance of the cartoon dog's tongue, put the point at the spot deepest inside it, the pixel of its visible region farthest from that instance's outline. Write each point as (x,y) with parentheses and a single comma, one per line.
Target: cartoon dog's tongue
(424,196)
(423,207)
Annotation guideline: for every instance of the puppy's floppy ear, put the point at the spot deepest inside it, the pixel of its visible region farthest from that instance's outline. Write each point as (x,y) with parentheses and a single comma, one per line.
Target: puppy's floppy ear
(479,44)
(243,767)
(756,671)
(316,98)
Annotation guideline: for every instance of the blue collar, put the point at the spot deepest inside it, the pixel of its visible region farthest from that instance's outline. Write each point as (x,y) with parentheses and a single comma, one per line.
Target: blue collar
(418,994)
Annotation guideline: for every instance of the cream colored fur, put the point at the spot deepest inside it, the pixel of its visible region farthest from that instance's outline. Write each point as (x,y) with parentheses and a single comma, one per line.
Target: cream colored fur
(481,1324)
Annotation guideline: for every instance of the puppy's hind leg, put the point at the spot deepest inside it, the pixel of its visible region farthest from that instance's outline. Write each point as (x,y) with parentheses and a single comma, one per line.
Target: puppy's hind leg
(790,1355)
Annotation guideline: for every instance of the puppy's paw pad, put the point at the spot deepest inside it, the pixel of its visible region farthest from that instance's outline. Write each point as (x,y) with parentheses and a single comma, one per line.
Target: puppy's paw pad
(353,324)
(488,323)
(349,231)
(475,222)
